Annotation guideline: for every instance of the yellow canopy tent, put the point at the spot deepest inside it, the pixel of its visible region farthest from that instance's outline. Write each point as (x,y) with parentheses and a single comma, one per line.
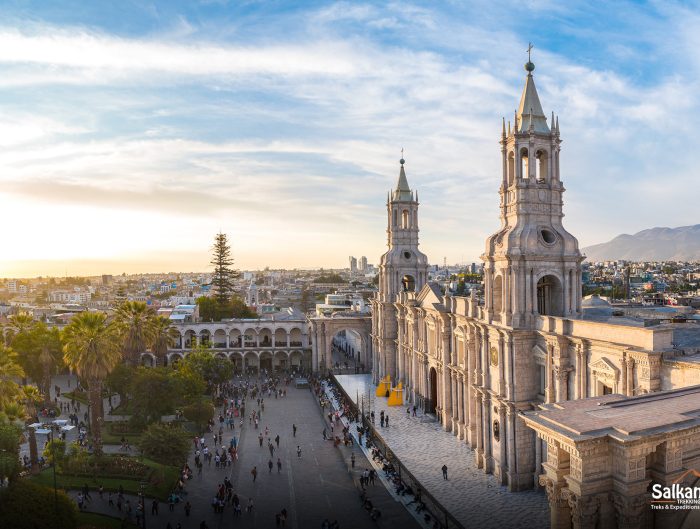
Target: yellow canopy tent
(384,386)
(396,397)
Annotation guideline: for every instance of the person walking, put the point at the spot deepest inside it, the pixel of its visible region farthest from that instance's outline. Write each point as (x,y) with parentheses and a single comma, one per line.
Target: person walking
(294,430)
(386,421)
(444,472)
(270,464)
(279,465)
(277,440)
(298,451)
(254,473)
(352,460)
(154,508)
(188,508)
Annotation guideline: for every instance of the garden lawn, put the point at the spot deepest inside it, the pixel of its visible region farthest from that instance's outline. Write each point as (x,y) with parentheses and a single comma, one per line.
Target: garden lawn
(116,439)
(160,485)
(89,520)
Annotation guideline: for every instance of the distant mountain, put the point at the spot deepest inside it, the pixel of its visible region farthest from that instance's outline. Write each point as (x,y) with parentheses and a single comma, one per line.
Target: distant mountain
(655,244)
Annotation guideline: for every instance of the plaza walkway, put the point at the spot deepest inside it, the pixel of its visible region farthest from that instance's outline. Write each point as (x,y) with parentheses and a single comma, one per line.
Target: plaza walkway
(316,486)
(476,499)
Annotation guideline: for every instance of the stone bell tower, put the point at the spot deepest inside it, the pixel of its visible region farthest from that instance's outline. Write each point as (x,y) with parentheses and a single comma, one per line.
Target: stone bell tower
(532,265)
(402,268)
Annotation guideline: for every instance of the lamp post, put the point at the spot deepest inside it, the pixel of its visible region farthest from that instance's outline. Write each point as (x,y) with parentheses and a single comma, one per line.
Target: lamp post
(142,499)
(53,427)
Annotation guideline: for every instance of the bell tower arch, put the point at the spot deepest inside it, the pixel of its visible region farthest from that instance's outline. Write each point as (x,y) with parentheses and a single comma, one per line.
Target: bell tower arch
(532,265)
(402,268)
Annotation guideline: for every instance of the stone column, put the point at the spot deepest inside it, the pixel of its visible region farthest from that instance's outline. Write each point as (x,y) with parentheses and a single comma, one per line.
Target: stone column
(549,388)
(629,511)
(513,480)
(486,414)
(503,443)
(399,345)
(538,461)
(314,349)
(479,452)
(629,363)
(562,384)
(584,510)
(559,511)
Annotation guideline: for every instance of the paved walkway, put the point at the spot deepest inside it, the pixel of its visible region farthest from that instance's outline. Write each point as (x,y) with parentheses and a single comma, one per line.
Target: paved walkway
(318,485)
(473,497)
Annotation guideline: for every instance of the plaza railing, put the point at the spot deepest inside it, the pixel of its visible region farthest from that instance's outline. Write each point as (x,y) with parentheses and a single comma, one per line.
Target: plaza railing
(432,505)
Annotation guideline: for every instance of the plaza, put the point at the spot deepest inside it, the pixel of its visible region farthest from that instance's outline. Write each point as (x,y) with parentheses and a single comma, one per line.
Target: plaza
(321,484)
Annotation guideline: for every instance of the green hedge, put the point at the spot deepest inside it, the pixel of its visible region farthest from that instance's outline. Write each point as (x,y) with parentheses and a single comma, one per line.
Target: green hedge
(28,505)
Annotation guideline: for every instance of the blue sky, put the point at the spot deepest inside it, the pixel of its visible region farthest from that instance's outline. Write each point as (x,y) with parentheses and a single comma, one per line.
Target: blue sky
(131,132)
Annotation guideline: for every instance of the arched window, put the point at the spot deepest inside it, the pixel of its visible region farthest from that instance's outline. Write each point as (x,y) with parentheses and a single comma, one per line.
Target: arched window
(511,168)
(542,168)
(524,164)
(549,296)
(409,283)
(404,219)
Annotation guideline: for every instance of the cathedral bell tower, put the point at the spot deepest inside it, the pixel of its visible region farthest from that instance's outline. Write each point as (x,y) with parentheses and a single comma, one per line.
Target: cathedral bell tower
(532,265)
(402,268)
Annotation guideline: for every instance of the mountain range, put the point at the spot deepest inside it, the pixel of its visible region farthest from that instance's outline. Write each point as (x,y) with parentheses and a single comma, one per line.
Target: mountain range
(655,244)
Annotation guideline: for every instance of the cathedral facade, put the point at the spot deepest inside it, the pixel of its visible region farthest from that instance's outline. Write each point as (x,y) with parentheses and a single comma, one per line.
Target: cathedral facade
(480,364)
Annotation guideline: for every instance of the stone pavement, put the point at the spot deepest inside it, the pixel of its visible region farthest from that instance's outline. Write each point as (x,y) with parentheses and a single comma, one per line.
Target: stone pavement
(473,497)
(318,485)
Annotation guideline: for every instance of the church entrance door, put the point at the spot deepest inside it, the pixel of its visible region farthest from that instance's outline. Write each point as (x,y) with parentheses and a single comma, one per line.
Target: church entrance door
(432,401)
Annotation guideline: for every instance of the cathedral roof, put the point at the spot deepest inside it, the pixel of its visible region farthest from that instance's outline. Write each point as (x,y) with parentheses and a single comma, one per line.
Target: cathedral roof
(402,191)
(530,109)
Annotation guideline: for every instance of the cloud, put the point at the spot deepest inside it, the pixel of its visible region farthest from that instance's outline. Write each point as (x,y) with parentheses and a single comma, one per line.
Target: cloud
(302,124)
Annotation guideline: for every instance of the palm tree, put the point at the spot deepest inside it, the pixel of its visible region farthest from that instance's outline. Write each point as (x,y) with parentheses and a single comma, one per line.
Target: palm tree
(19,323)
(163,336)
(133,319)
(91,350)
(30,397)
(10,371)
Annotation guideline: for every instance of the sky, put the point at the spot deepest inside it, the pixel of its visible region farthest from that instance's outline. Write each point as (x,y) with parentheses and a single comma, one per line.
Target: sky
(132,132)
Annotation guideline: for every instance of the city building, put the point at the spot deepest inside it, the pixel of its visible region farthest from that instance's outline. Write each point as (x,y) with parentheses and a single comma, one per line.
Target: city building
(353,264)
(277,341)
(340,302)
(533,342)
(362,264)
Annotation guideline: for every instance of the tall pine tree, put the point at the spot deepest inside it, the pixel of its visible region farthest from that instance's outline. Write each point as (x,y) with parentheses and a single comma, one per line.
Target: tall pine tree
(224,275)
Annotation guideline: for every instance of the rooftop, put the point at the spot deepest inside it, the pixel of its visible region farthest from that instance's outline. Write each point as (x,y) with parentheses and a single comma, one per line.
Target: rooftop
(619,417)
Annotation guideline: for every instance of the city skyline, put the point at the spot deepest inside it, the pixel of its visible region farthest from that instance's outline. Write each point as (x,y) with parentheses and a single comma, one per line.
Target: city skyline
(282,127)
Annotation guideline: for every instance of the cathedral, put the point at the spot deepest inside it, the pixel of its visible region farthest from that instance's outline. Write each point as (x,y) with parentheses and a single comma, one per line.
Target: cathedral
(533,343)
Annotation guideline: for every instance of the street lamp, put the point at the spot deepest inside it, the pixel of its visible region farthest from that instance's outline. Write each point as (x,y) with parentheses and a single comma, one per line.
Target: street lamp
(142,499)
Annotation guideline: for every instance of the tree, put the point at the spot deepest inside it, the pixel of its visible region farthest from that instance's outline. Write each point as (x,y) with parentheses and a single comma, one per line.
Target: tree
(307,301)
(165,443)
(153,394)
(224,275)
(119,381)
(211,310)
(240,310)
(213,369)
(199,413)
(19,323)
(30,397)
(163,336)
(9,450)
(26,505)
(39,353)
(188,385)
(208,308)
(10,371)
(133,319)
(91,350)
